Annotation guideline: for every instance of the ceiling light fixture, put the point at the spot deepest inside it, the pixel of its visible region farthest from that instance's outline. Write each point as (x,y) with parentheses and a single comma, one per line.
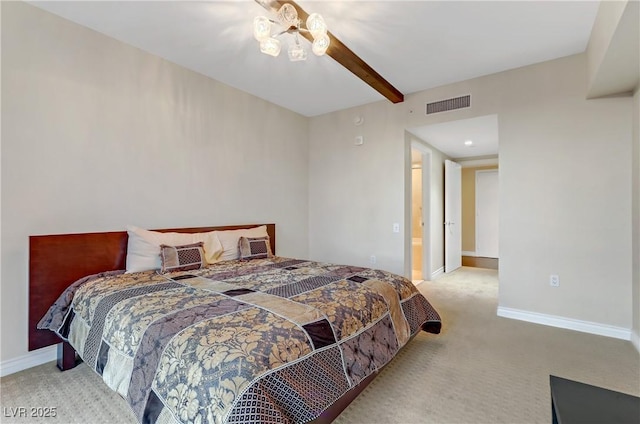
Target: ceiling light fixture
(287,21)
(468,143)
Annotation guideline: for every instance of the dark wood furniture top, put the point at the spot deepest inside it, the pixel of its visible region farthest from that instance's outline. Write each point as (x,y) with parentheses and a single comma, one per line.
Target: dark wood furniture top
(56,261)
(573,402)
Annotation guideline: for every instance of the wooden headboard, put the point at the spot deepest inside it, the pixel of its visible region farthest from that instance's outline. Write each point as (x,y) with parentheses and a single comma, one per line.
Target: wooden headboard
(56,261)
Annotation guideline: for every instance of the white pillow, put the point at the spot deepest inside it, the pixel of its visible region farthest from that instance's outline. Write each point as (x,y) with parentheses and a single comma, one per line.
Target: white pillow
(229,240)
(143,247)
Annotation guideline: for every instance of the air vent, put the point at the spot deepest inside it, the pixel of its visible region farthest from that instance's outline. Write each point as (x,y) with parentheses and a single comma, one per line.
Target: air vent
(449,104)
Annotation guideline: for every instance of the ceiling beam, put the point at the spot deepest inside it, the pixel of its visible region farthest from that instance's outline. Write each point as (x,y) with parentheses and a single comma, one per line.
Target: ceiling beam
(344,56)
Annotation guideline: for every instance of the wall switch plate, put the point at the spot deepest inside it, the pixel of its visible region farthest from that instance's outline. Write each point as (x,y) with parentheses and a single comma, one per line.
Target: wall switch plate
(372,259)
(554,281)
(396,227)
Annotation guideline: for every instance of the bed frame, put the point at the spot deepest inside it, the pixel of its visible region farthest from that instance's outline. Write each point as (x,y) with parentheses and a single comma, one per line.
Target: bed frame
(56,261)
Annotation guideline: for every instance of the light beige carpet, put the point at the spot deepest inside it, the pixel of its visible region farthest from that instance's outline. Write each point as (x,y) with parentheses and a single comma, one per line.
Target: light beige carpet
(486,369)
(480,369)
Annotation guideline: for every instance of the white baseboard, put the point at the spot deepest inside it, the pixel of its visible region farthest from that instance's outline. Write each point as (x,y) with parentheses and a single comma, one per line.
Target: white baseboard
(635,339)
(438,272)
(468,253)
(31,359)
(568,323)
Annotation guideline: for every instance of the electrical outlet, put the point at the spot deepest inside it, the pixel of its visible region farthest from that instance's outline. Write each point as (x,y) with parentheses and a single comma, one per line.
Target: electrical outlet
(372,259)
(554,281)
(396,227)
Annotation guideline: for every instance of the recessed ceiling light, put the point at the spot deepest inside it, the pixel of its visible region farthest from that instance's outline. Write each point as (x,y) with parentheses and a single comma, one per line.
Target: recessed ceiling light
(468,143)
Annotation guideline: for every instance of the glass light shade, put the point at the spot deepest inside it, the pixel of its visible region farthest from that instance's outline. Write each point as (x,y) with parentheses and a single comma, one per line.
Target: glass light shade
(316,25)
(320,45)
(297,52)
(270,46)
(288,15)
(261,28)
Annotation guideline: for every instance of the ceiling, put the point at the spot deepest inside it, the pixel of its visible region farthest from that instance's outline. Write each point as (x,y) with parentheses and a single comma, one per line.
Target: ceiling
(450,137)
(415,45)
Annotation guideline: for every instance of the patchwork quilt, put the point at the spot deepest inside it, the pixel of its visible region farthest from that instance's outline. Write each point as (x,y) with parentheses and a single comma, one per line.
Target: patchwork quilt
(260,341)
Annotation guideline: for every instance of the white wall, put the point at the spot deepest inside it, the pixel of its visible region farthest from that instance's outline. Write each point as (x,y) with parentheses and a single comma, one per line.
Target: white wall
(565,181)
(565,208)
(97,134)
(356,192)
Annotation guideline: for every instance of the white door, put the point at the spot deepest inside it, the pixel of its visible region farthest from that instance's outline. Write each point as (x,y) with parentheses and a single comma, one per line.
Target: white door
(487,213)
(452,216)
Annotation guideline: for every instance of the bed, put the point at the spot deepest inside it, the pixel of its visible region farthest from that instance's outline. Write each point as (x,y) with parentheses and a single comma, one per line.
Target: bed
(258,339)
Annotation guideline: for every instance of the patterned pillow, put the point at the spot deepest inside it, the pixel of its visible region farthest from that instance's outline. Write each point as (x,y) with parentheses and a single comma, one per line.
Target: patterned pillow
(254,248)
(229,240)
(143,246)
(182,258)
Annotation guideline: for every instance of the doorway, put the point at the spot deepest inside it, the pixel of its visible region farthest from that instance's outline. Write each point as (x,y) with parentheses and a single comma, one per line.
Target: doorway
(420,212)
(480,214)
(470,142)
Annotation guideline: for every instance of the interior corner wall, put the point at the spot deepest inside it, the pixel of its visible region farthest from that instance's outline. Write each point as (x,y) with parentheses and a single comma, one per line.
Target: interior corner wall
(97,134)
(604,28)
(635,195)
(557,214)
